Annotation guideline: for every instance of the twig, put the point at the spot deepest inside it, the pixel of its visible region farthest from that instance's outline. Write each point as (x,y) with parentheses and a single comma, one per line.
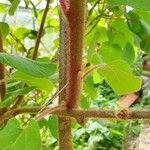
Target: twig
(91,10)
(97,19)
(57,93)
(18,41)
(93,69)
(35,53)
(18,101)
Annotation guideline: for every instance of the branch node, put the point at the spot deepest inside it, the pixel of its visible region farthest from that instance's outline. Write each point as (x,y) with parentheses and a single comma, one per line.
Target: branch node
(123,114)
(81,120)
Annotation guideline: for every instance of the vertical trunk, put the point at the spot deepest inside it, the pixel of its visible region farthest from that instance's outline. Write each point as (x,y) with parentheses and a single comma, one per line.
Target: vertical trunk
(76,19)
(2,72)
(64,122)
(72,28)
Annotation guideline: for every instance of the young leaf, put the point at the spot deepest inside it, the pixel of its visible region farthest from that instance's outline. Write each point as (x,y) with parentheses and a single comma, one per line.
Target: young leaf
(28,66)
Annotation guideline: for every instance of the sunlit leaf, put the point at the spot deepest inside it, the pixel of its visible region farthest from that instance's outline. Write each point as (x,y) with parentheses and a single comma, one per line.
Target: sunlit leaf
(119,76)
(4,27)
(128,53)
(14,6)
(40,83)
(110,52)
(3,8)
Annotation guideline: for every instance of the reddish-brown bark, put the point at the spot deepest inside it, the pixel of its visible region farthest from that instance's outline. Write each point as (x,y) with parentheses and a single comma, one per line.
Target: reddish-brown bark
(75,12)
(2,72)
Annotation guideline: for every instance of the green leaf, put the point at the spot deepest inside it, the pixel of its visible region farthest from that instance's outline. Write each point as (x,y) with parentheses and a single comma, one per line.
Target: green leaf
(137,25)
(128,53)
(3,8)
(115,132)
(12,137)
(96,58)
(117,11)
(53,126)
(40,83)
(139,4)
(144,14)
(14,6)
(97,78)
(145,45)
(133,22)
(89,88)
(84,103)
(14,85)
(30,67)
(119,76)
(29,139)
(98,35)
(4,27)
(118,36)
(110,52)
(21,32)
(10,97)
(9,134)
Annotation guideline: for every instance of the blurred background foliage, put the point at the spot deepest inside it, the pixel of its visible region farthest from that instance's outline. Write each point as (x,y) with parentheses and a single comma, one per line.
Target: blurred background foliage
(116,30)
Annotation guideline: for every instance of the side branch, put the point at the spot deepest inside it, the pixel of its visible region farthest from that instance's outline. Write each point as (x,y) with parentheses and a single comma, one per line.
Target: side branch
(107,114)
(79,115)
(12,113)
